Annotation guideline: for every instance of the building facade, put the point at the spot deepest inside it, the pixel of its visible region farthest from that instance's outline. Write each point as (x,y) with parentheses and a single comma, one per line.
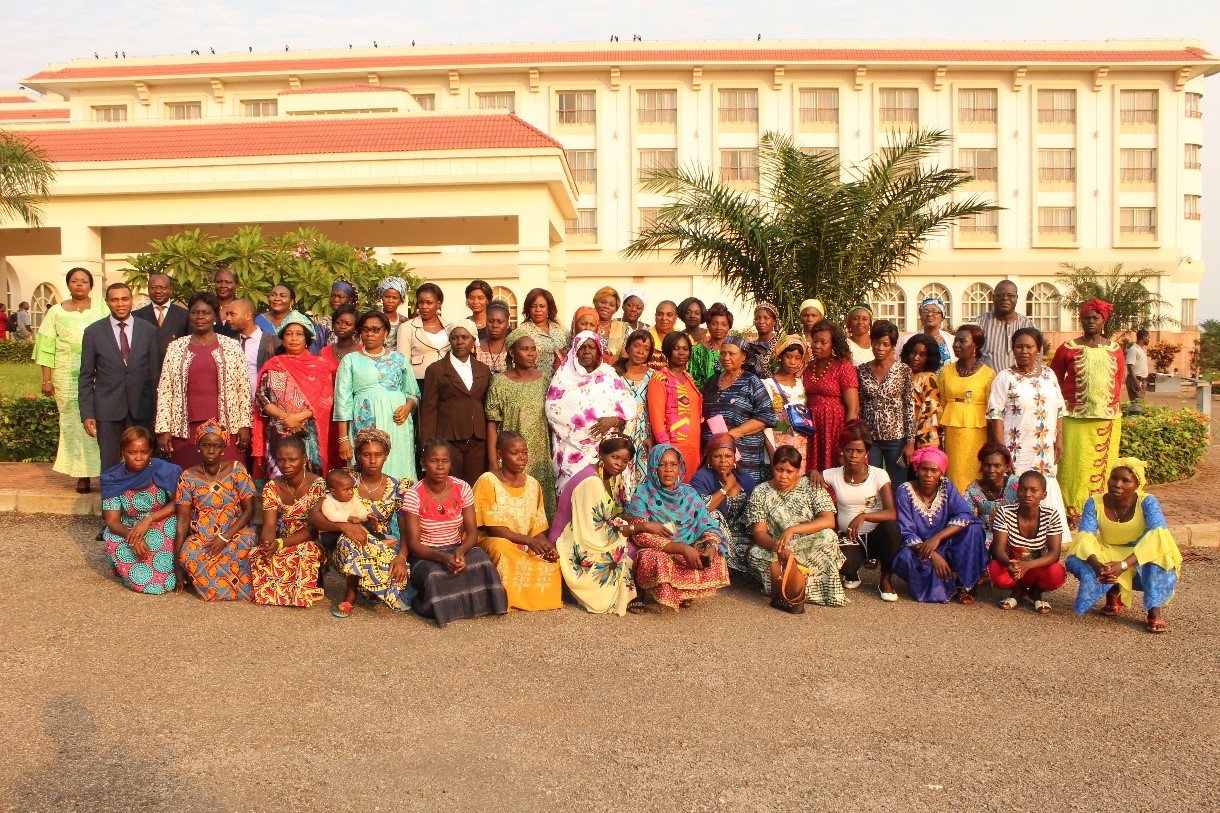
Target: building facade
(1092,149)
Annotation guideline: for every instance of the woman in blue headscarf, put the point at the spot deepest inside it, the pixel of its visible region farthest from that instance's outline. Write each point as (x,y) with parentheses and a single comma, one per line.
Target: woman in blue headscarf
(681,549)
(393,293)
(341,293)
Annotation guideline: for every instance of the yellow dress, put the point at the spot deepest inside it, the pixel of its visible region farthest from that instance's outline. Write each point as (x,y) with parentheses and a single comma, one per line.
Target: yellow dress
(531,582)
(963,423)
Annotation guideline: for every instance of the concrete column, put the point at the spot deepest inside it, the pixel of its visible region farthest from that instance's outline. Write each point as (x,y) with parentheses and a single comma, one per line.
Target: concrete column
(534,254)
(81,247)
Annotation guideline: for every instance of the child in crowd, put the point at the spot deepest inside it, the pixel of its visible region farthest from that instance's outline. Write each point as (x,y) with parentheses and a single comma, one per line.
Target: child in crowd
(341,503)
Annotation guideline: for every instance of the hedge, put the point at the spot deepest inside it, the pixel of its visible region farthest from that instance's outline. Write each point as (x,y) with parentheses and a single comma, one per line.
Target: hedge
(29,429)
(1170,441)
(15,352)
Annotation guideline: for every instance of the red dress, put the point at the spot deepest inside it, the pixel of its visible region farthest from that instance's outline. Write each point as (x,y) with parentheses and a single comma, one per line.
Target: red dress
(824,397)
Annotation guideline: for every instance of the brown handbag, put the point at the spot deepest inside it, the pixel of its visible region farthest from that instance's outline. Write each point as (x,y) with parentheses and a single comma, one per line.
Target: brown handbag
(789,594)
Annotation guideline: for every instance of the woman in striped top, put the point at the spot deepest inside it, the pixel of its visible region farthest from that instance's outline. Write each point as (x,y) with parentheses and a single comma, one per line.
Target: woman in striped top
(454,578)
(1025,544)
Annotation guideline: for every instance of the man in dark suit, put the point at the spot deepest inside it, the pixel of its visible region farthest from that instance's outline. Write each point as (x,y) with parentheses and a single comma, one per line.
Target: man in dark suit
(171,320)
(119,366)
(256,344)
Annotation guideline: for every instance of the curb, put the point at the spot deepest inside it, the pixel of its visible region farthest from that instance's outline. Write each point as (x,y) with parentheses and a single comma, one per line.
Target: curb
(17,501)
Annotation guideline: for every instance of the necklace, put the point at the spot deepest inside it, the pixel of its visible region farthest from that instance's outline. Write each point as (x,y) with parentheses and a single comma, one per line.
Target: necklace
(364,351)
(965,372)
(848,478)
(294,490)
(362,486)
(1121,515)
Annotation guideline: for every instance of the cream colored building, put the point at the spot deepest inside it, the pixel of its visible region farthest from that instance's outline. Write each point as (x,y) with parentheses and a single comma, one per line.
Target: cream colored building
(1093,150)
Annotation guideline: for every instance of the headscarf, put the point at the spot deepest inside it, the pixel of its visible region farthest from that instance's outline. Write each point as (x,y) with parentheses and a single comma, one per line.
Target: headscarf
(117,480)
(932,455)
(638,293)
(1136,466)
(393,284)
(299,382)
(570,373)
(812,303)
(347,288)
(1100,305)
(774,311)
(855,308)
(790,341)
(516,336)
(371,434)
(737,341)
(722,441)
(937,301)
(467,325)
(584,310)
(681,505)
(211,427)
(297,318)
(607,291)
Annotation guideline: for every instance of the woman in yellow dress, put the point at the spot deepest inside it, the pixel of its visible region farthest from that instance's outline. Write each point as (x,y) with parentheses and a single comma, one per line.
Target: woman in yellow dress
(965,386)
(1123,545)
(509,510)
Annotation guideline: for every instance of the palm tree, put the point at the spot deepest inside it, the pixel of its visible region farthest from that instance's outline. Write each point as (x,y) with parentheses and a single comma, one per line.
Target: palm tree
(25,179)
(1135,306)
(807,232)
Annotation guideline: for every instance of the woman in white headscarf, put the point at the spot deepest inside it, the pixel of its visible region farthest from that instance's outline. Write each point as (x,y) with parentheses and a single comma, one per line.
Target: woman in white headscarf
(586,402)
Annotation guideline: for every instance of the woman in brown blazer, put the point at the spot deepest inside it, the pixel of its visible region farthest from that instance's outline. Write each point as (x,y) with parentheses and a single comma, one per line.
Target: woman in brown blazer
(452,407)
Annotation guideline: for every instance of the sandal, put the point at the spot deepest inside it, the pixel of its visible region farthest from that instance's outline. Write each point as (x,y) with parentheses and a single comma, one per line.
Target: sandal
(964,597)
(1042,607)
(1157,625)
(1008,604)
(343,610)
(889,595)
(685,603)
(1113,609)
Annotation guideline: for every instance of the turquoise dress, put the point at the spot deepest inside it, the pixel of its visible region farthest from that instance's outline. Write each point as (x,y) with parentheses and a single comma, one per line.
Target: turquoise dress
(367,392)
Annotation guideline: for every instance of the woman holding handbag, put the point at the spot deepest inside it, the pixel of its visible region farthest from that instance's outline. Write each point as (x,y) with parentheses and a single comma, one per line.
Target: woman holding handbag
(787,391)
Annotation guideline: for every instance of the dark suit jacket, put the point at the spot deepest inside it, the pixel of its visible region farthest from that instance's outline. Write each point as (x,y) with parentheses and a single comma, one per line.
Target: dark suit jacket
(109,389)
(448,410)
(175,325)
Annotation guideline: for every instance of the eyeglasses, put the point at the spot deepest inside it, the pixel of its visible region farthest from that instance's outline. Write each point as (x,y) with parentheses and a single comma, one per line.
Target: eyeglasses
(372,329)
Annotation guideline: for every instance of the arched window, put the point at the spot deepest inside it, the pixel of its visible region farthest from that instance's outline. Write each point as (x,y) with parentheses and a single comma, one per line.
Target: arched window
(1042,306)
(976,301)
(501,294)
(43,299)
(890,302)
(936,289)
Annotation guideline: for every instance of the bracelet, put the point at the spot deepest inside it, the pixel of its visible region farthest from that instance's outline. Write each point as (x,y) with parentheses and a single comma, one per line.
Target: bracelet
(346,440)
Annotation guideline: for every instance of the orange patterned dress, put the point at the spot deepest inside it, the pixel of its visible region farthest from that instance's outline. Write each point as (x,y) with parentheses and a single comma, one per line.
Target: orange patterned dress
(289,578)
(215,507)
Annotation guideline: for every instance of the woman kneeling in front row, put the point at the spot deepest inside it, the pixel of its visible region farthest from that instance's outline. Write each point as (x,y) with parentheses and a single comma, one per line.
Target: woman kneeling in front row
(1025,543)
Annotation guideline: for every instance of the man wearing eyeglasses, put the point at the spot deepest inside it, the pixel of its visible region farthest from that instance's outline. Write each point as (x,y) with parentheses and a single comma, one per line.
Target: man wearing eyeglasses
(999,324)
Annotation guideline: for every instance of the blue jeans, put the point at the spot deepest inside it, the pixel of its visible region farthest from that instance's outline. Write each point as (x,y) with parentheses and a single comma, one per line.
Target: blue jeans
(887,454)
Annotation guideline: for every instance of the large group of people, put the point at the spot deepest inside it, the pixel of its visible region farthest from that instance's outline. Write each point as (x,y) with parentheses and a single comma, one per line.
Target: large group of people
(464,467)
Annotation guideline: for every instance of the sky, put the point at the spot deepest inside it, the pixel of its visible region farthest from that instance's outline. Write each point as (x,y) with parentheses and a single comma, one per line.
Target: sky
(59,30)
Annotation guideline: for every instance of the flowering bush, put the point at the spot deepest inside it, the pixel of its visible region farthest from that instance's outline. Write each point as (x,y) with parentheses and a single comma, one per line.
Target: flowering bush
(1163,354)
(15,352)
(29,429)
(1170,441)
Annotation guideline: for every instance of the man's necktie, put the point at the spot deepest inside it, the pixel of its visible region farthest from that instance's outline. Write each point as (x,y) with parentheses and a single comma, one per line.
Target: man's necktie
(160,315)
(124,345)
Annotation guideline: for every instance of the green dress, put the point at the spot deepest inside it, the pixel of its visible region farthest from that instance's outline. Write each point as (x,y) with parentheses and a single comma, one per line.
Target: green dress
(704,363)
(817,552)
(519,407)
(367,393)
(58,346)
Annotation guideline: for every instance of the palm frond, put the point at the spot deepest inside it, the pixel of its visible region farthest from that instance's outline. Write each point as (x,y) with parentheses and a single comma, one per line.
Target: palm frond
(26,176)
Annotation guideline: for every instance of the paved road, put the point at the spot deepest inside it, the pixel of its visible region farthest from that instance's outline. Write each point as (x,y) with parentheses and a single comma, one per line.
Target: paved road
(110,701)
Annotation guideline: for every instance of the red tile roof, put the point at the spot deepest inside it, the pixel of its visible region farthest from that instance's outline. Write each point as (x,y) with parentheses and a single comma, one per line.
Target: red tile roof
(310,136)
(16,115)
(15,100)
(197,67)
(346,89)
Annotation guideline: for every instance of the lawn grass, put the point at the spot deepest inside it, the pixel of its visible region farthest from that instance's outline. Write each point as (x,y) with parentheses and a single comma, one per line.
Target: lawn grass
(19,380)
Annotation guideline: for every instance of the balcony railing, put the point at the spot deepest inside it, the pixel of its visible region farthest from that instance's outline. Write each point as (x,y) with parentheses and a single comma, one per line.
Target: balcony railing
(826,115)
(1055,115)
(1137,117)
(741,115)
(1057,174)
(577,117)
(1137,174)
(908,115)
(977,115)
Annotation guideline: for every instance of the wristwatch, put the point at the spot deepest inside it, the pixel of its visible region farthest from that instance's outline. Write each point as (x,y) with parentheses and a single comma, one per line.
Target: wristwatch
(1123,564)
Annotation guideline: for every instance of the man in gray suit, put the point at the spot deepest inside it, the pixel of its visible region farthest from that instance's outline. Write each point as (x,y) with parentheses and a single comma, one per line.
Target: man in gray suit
(170,319)
(119,366)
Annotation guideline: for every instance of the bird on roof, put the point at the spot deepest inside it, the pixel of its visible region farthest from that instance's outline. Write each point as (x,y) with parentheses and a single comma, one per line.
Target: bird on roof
(124,55)
(374,43)
(412,43)
(285,47)
(213,50)
(760,37)
(95,56)
(250,48)
(116,54)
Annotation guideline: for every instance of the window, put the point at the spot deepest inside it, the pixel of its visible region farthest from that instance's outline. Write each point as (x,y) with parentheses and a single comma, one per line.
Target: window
(1137,106)
(823,151)
(648,217)
(498,101)
(1137,220)
(976,106)
(652,160)
(1192,157)
(1042,306)
(890,302)
(1190,209)
(583,164)
(739,165)
(426,101)
(1137,166)
(820,106)
(936,289)
(899,106)
(984,224)
(577,107)
(501,294)
(584,225)
(1057,166)
(184,110)
(109,113)
(257,108)
(1057,221)
(1056,107)
(976,301)
(657,107)
(1188,314)
(982,164)
(1194,105)
(738,106)
(42,301)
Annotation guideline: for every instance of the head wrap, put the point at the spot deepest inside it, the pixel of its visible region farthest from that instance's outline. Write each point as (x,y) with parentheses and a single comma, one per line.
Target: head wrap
(117,480)
(607,291)
(937,301)
(516,336)
(813,303)
(372,434)
(722,441)
(211,427)
(638,293)
(1136,466)
(789,341)
(737,341)
(680,505)
(393,284)
(774,311)
(297,318)
(467,325)
(571,369)
(346,287)
(1100,305)
(584,310)
(855,308)
(932,455)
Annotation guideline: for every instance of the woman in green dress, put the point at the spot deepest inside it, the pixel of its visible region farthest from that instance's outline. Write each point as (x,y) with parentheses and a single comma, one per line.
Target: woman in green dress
(375,388)
(57,348)
(516,402)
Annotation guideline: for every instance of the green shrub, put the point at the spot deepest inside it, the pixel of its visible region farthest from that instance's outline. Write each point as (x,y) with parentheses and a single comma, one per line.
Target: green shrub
(15,352)
(1170,441)
(29,429)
